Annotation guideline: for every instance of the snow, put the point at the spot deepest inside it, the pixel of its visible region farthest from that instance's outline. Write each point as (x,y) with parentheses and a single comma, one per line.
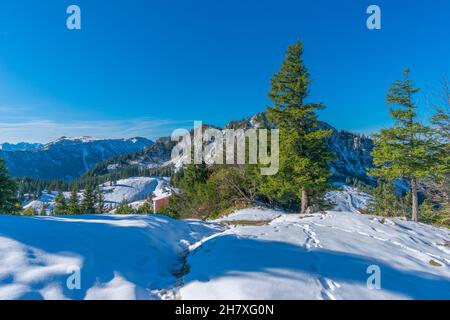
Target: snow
(120,257)
(254,253)
(251,214)
(349,199)
(321,256)
(134,189)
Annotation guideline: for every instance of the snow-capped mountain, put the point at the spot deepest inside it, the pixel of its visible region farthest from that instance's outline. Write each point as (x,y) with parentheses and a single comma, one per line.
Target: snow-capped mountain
(68,158)
(21,146)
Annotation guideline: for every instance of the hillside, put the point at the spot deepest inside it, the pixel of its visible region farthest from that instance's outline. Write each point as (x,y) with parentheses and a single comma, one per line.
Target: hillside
(134,190)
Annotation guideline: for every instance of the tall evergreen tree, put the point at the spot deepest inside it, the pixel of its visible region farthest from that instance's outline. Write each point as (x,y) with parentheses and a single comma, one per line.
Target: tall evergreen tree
(100,200)
(406,150)
(441,127)
(9,203)
(73,207)
(60,205)
(304,153)
(89,200)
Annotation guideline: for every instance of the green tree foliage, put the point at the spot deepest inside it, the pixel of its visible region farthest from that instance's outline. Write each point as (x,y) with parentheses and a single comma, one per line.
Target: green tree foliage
(124,208)
(89,200)
(386,202)
(60,205)
(406,150)
(146,208)
(100,201)
(304,153)
(9,203)
(73,206)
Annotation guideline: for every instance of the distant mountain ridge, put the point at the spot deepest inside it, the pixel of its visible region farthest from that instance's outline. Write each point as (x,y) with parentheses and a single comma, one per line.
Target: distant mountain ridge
(21,146)
(352,152)
(67,158)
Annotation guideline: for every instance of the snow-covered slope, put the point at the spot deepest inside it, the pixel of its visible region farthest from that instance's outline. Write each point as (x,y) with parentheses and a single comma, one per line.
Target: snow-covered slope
(349,199)
(119,257)
(321,256)
(133,189)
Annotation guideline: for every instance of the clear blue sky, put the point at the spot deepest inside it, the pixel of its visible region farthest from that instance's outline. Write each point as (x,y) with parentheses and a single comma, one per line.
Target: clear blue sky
(144,67)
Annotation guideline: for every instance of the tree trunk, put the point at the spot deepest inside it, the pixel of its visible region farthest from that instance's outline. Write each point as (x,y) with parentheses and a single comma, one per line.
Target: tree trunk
(415,202)
(304,201)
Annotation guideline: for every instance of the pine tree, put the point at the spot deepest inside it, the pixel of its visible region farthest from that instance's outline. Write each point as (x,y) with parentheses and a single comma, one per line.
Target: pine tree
(441,129)
(60,205)
(100,200)
(304,153)
(146,208)
(73,207)
(9,203)
(124,208)
(89,200)
(406,150)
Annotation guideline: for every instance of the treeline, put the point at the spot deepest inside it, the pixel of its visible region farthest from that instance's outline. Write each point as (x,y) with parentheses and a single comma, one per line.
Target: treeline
(33,187)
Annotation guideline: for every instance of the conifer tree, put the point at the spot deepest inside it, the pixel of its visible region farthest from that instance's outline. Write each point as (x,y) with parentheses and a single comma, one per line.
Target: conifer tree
(100,200)
(73,207)
(9,203)
(60,205)
(124,208)
(146,208)
(89,200)
(407,149)
(304,153)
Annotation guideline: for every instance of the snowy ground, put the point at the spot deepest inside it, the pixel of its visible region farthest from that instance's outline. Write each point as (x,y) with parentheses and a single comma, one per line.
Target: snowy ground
(119,257)
(254,253)
(321,256)
(135,190)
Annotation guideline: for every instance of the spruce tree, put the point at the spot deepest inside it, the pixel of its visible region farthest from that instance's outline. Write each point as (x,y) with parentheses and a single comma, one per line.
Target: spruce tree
(407,149)
(304,153)
(9,203)
(73,207)
(100,200)
(60,205)
(89,200)
(124,208)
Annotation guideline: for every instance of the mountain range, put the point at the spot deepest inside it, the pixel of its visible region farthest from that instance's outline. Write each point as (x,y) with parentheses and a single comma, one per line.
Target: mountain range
(70,158)
(65,158)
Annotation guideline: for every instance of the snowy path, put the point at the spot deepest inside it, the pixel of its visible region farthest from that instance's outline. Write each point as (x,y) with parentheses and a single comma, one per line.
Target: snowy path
(321,256)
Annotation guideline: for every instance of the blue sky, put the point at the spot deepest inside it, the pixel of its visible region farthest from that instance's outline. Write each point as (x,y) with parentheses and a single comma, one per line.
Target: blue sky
(146,67)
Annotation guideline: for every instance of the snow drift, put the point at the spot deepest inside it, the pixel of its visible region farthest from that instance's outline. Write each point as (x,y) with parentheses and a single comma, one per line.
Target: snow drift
(119,257)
